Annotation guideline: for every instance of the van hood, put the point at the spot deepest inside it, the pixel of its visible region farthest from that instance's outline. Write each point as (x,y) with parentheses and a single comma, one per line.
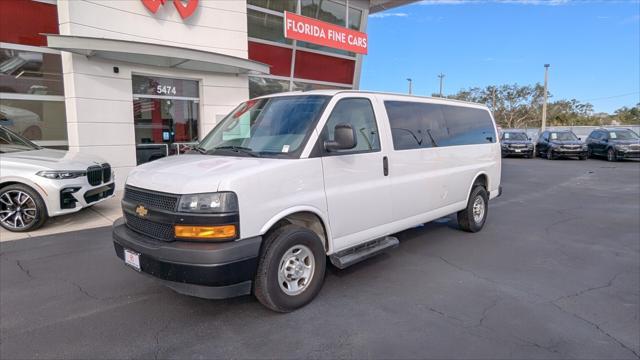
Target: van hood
(54,159)
(194,173)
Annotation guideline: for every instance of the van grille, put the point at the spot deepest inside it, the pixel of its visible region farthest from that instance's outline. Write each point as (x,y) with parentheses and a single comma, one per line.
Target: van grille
(152,229)
(151,199)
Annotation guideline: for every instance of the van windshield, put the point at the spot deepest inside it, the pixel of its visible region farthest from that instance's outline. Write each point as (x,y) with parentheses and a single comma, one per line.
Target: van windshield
(270,127)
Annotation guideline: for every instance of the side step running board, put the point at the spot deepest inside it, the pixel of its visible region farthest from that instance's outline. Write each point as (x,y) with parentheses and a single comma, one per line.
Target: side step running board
(348,257)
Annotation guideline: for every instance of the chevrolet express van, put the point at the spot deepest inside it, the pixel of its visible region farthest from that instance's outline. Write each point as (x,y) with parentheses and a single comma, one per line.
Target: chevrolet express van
(287,180)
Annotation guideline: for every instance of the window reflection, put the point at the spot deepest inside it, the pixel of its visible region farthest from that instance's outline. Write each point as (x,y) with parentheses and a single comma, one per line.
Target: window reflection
(266,27)
(28,72)
(34,119)
(277,5)
(259,86)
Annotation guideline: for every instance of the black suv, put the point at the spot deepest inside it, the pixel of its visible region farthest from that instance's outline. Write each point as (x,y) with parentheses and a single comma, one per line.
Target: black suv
(516,143)
(614,144)
(560,144)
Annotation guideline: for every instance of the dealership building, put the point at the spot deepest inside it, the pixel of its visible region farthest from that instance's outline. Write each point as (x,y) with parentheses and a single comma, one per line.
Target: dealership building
(135,80)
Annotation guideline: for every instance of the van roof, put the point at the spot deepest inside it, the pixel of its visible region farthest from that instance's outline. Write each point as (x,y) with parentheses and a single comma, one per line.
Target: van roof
(333,92)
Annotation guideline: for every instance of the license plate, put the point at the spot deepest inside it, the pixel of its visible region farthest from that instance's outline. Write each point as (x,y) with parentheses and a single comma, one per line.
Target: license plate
(132,259)
(518,150)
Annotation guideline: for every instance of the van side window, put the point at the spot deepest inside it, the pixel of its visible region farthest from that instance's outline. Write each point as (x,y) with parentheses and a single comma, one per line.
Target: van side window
(415,125)
(468,126)
(357,112)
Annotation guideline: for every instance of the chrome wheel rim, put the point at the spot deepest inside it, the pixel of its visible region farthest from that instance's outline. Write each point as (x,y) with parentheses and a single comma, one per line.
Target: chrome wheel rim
(296,269)
(610,155)
(17,209)
(478,209)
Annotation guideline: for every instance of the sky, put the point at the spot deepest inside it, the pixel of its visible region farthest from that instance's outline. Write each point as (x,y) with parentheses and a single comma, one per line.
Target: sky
(593,47)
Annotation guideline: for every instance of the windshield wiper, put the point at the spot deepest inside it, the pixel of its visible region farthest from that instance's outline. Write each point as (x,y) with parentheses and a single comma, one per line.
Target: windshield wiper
(199,149)
(241,149)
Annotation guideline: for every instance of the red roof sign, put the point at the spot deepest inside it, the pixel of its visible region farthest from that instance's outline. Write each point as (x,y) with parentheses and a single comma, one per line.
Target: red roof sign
(318,32)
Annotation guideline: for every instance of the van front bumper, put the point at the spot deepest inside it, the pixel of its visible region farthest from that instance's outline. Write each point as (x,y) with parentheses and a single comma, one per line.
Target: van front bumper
(203,269)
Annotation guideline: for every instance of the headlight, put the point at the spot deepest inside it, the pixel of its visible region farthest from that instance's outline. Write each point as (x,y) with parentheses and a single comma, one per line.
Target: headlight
(504,146)
(530,146)
(585,147)
(622,147)
(61,174)
(220,202)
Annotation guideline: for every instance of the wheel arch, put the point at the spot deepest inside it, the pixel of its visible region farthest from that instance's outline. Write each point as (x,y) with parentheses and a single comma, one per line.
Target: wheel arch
(483,178)
(26,182)
(306,216)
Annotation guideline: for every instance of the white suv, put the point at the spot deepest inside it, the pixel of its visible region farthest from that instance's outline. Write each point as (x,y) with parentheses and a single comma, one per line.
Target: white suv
(38,183)
(286,180)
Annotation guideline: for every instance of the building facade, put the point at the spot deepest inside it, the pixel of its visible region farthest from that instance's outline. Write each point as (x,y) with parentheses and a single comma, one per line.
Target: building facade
(135,80)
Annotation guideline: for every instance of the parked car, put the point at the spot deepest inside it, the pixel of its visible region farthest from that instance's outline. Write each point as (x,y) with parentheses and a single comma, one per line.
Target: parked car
(561,144)
(516,143)
(38,183)
(614,144)
(285,180)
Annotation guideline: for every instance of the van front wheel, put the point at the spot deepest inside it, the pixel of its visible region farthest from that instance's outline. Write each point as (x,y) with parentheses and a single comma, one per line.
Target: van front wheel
(472,218)
(291,269)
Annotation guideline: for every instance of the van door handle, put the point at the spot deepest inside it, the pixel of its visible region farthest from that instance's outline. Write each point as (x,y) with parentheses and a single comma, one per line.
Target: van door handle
(385,166)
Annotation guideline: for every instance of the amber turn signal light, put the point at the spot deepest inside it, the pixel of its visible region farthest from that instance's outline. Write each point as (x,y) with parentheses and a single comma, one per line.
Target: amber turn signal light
(205,232)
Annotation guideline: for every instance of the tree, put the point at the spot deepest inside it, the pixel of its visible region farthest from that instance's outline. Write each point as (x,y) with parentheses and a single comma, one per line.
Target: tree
(513,106)
(625,115)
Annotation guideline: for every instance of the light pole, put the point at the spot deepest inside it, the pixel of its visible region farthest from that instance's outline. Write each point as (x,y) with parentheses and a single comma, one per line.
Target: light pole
(441,76)
(544,103)
(410,85)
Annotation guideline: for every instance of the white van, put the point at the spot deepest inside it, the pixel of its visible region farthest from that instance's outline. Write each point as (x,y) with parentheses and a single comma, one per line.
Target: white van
(286,180)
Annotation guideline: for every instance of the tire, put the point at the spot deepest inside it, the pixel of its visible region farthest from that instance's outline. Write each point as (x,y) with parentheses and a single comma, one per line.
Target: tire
(550,155)
(270,282)
(466,219)
(530,155)
(16,197)
(589,153)
(584,157)
(611,155)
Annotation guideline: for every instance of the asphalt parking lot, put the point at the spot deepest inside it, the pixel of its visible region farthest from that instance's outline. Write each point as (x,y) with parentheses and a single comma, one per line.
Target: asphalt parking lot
(554,274)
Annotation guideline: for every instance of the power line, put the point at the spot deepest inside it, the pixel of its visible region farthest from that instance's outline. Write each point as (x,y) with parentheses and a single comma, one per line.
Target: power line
(614,96)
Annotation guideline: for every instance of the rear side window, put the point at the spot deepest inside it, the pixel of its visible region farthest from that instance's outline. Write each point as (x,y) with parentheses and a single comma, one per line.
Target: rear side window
(468,126)
(358,113)
(415,125)
(423,125)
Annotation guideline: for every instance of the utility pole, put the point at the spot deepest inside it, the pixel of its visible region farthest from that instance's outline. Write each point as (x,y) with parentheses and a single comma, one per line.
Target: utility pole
(410,85)
(441,76)
(544,104)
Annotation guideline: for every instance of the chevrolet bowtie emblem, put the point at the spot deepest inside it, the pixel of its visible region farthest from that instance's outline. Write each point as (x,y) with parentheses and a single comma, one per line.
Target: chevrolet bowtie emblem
(141,211)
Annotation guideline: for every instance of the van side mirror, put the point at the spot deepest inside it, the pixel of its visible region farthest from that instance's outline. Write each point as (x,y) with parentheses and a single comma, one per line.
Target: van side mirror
(344,138)
(529,139)
(579,138)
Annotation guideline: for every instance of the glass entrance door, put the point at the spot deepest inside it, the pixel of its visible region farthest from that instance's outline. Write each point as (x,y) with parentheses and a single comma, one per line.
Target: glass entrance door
(165,116)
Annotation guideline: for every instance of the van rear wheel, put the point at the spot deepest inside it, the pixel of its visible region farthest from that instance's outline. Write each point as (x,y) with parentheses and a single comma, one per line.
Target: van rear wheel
(291,269)
(472,218)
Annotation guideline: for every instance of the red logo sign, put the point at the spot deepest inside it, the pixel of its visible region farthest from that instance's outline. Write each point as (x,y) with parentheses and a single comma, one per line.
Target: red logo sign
(321,33)
(185,8)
